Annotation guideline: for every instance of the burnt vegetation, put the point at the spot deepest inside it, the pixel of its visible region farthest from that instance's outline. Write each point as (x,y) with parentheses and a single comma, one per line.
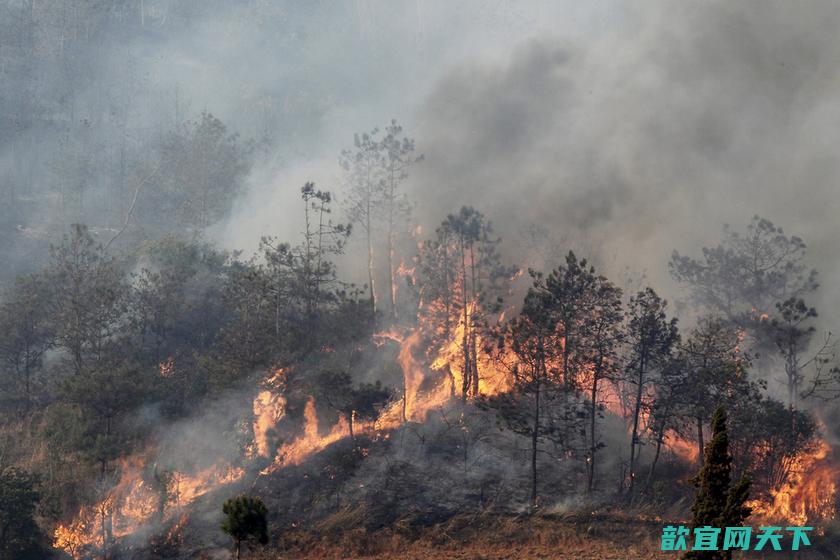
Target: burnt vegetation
(144,386)
(378,377)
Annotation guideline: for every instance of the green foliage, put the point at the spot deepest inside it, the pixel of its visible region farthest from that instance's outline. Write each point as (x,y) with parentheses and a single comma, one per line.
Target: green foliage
(715,503)
(245,521)
(20,536)
(355,403)
(651,338)
(26,333)
(87,296)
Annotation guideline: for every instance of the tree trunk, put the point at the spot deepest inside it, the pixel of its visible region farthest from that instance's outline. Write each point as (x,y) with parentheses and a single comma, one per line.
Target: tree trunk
(534,440)
(634,437)
(660,438)
(404,401)
(700,442)
(465,389)
(371,274)
(392,285)
(593,410)
(473,341)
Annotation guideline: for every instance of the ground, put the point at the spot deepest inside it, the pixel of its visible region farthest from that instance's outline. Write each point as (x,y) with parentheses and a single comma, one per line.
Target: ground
(601,537)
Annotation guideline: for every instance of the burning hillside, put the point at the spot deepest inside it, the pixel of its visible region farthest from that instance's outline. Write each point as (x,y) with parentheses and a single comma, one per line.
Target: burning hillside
(461,373)
(548,301)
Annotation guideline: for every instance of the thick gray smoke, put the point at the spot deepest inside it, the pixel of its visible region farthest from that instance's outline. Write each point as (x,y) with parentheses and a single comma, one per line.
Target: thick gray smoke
(650,136)
(621,130)
(624,132)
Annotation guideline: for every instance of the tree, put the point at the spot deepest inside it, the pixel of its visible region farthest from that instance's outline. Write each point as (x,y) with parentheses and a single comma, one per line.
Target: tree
(791,331)
(571,289)
(203,167)
(176,305)
(355,403)
(26,334)
(399,157)
(586,313)
(245,521)
(374,172)
(87,297)
(322,239)
(715,370)
(301,280)
(570,300)
(363,170)
(600,345)
(716,504)
(745,275)
(666,409)
(20,536)
(461,283)
(105,395)
(651,337)
(765,437)
(536,383)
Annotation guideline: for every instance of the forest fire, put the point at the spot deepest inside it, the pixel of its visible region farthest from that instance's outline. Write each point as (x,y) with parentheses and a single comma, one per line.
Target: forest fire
(269,407)
(808,494)
(136,502)
(310,441)
(439,359)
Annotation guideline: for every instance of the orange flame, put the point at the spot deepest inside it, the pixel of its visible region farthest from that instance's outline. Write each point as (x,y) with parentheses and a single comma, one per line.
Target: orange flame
(310,442)
(269,407)
(808,494)
(134,502)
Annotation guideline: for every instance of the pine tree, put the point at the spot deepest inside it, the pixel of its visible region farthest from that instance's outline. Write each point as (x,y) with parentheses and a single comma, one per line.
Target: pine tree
(715,503)
(245,520)
(20,536)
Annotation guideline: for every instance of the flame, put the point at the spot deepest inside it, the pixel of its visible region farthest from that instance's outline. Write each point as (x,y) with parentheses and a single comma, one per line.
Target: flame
(431,357)
(310,442)
(809,492)
(492,380)
(167,367)
(134,502)
(269,407)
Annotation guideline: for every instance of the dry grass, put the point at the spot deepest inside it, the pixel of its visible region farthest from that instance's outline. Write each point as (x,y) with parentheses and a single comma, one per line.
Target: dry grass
(603,537)
(487,538)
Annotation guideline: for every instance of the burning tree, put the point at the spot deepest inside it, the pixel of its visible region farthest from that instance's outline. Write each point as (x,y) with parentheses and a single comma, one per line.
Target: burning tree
(460,286)
(355,403)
